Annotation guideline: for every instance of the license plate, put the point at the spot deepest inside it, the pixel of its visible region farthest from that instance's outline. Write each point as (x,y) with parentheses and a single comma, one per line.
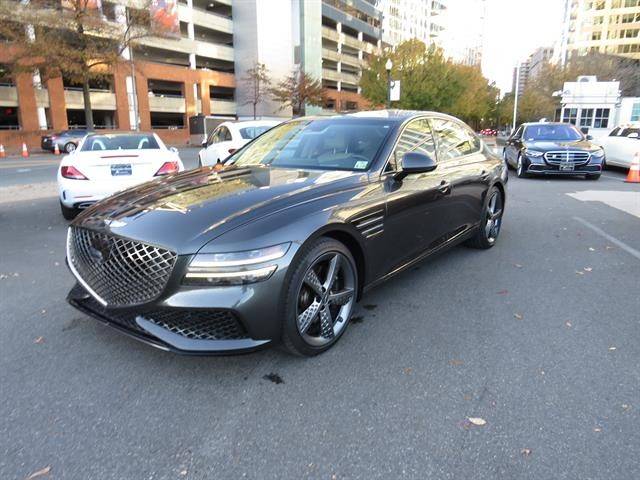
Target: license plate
(121,169)
(566,167)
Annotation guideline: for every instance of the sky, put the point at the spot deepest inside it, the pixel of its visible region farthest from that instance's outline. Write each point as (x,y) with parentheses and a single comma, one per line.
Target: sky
(514,29)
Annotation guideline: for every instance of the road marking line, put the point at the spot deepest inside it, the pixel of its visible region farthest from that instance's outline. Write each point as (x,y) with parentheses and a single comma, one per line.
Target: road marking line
(23,170)
(612,239)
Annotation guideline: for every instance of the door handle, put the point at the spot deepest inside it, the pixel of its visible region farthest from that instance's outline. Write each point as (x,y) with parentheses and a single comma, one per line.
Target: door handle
(444,187)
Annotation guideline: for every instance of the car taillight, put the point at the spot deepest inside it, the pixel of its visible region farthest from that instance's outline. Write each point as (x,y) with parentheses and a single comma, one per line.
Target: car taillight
(167,168)
(72,172)
(232,150)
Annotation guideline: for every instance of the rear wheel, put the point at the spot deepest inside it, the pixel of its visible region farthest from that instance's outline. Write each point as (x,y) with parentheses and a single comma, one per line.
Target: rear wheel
(320,298)
(70,147)
(487,234)
(69,213)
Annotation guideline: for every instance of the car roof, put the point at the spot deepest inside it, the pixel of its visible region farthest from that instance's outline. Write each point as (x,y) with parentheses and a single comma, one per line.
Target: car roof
(253,123)
(394,115)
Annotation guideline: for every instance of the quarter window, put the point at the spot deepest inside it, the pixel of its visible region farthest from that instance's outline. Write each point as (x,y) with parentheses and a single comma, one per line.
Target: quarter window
(454,139)
(416,137)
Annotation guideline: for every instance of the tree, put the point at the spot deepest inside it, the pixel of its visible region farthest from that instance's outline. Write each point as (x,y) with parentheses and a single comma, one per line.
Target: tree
(430,82)
(298,90)
(70,38)
(257,84)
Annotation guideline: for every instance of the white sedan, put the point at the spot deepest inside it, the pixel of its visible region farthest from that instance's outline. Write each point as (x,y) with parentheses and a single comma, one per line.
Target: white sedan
(229,137)
(104,164)
(621,145)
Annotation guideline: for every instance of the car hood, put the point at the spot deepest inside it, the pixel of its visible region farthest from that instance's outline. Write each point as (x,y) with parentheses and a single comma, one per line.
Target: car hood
(547,145)
(183,212)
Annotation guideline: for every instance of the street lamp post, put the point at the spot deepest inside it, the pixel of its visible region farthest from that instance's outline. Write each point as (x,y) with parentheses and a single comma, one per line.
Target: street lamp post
(388,66)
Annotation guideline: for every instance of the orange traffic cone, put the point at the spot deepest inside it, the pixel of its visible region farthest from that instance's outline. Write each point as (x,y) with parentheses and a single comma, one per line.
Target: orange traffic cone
(25,152)
(634,170)
(56,150)
(2,154)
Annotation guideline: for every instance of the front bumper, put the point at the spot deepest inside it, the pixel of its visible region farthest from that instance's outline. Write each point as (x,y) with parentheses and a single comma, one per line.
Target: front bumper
(537,166)
(191,331)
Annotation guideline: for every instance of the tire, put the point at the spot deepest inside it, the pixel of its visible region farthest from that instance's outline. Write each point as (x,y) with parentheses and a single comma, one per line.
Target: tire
(306,328)
(520,171)
(70,147)
(594,176)
(486,236)
(506,162)
(69,213)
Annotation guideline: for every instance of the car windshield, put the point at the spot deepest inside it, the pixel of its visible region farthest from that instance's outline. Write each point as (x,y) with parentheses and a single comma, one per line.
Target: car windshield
(551,132)
(326,144)
(119,142)
(249,133)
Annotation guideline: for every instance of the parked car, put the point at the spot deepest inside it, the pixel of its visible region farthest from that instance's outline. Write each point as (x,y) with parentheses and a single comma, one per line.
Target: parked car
(552,149)
(228,137)
(282,242)
(621,145)
(67,140)
(106,163)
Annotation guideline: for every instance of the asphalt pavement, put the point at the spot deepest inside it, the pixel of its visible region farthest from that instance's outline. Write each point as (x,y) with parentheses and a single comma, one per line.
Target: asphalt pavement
(537,338)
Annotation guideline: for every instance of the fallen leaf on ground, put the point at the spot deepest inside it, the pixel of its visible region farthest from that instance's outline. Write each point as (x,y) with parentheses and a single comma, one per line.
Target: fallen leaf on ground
(591,249)
(625,406)
(183,473)
(517,265)
(568,324)
(579,273)
(526,452)
(611,349)
(467,397)
(455,362)
(408,370)
(43,311)
(609,247)
(502,292)
(477,421)
(518,316)
(588,269)
(597,429)
(39,473)
(39,340)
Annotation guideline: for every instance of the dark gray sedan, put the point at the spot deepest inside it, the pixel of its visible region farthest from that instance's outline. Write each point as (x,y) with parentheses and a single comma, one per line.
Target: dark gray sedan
(282,241)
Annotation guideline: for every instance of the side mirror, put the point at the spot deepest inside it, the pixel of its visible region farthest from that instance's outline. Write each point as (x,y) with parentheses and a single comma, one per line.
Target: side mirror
(173,149)
(589,137)
(204,144)
(414,162)
(633,135)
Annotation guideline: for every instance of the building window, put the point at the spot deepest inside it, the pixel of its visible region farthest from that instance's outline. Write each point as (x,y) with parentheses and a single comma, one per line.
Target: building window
(602,118)
(570,115)
(586,117)
(596,35)
(9,118)
(635,112)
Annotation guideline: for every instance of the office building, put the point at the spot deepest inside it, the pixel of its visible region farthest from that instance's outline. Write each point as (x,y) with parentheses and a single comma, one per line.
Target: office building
(412,19)
(604,26)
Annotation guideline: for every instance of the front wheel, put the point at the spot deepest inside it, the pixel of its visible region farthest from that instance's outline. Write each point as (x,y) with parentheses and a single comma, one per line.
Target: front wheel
(70,147)
(520,168)
(487,234)
(320,297)
(69,213)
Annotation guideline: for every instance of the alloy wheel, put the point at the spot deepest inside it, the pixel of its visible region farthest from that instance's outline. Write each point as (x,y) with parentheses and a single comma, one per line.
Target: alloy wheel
(325,298)
(70,147)
(494,217)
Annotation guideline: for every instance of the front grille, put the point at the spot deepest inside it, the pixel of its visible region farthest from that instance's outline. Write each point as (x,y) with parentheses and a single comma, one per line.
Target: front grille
(567,156)
(213,324)
(120,271)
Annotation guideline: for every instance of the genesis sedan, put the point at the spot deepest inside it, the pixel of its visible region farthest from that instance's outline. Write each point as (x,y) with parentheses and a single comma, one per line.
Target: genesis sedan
(281,243)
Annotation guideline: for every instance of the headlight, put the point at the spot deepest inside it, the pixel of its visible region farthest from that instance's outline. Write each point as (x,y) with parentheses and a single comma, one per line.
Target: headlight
(598,153)
(533,153)
(237,268)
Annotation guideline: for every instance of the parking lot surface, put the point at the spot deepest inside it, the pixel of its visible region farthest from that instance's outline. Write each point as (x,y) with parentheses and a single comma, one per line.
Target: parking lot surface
(536,340)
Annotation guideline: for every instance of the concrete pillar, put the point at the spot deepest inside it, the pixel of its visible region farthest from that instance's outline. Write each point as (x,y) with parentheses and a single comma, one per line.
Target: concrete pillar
(27,102)
(123,119)
(205,98)
(57,105)
(142,97)
(190,101)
